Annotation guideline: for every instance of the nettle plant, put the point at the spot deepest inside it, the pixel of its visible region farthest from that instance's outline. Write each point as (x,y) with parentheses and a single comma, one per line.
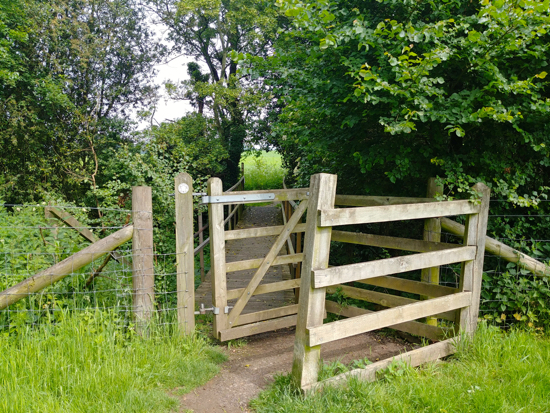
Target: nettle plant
(516,297)
(28,245)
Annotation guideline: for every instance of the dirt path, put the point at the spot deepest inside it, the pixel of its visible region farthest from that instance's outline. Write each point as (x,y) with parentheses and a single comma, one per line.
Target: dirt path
(250,368)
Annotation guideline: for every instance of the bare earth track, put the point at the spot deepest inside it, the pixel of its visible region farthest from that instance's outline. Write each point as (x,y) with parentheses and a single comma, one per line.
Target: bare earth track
(251,368)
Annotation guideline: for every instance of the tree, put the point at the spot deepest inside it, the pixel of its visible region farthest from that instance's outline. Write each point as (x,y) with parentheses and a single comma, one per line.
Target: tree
(209,31)
(74,69)
(391,92)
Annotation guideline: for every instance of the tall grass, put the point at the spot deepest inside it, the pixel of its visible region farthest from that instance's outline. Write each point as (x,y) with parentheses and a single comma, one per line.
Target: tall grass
(87,364)
(496,372)
(263,170)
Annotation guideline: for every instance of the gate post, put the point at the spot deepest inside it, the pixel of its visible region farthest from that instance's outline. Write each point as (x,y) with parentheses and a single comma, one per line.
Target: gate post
(432,232)
(217,258)
(472,271)
(143,272)
(185,258)
(311,310)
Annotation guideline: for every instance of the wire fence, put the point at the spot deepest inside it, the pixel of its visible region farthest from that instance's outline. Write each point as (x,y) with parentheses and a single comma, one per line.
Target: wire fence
(31,242)
(34,245)
(510,294)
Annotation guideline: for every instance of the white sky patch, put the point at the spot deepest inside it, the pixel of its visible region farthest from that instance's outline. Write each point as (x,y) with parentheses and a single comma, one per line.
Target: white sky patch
(174,71)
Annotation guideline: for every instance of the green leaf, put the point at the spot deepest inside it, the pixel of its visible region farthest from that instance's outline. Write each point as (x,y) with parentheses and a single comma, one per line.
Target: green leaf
(473,36)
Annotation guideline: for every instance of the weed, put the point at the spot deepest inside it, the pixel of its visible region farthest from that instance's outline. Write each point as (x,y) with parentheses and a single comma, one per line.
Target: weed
(263,170)
(492,372)
(237,343)
(87,363)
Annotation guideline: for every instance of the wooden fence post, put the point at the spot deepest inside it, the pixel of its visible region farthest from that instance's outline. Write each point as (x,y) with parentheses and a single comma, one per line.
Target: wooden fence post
(143,272)
(50,218)
(184,253)
(201,252)
(472,271)
(311,310)
(432,232)
(217,258)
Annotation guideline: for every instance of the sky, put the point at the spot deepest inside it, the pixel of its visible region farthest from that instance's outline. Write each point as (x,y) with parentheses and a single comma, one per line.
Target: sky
(175,71)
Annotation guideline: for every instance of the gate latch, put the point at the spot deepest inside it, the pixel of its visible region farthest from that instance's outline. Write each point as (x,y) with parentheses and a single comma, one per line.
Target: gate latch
(215,310)
(203,310)
(242,199)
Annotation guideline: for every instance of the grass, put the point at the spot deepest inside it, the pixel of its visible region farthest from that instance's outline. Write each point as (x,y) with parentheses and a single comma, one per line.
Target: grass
(87,364)
(263,170)
(496,372)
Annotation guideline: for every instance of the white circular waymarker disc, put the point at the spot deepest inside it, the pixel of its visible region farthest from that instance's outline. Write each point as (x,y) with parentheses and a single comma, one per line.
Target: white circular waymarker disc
(183,188)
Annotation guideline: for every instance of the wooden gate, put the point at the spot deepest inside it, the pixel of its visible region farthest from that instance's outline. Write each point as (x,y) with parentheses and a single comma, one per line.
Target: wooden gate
(231,323)
(457,305)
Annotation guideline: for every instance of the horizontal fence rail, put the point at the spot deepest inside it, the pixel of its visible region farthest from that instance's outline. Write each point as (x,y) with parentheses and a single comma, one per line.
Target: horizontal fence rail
(369,215)
(364,270)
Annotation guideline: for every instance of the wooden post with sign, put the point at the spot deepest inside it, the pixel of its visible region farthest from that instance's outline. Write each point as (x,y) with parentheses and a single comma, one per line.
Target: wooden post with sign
(184,253)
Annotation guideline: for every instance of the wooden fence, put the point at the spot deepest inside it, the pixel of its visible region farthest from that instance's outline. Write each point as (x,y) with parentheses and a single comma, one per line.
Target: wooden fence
(459,305)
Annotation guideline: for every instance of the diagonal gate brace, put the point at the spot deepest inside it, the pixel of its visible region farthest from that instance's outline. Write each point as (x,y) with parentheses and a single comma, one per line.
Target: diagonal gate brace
(266,263)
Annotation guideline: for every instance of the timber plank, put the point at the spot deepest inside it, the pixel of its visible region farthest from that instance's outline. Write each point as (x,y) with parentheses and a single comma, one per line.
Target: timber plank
(413,358)
(368,200)
(500,249)
(185,260)
(388,213)
(255,263)
(382,241)
(260,232)
(311,311)
(410,286)
(385,300)
(364,270)
(257,328)
(267,314)
(217,254)
(411,327)
(265,288)
(386,318)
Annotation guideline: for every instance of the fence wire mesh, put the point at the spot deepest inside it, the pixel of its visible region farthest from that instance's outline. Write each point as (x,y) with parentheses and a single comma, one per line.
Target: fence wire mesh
(31,243)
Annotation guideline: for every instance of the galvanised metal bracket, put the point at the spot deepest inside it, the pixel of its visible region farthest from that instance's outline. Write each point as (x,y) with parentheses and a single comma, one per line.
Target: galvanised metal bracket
(231,199)
(203,310)
(215,310)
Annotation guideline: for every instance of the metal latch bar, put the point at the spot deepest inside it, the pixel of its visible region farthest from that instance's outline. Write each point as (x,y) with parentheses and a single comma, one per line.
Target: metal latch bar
(203,310)
(230,199)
